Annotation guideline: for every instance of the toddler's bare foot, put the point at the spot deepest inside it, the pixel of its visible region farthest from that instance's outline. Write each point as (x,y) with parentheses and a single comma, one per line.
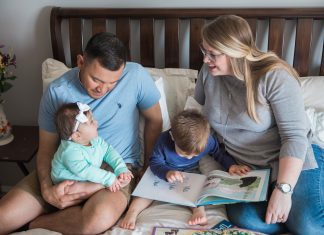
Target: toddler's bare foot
(198,216)
(128,222)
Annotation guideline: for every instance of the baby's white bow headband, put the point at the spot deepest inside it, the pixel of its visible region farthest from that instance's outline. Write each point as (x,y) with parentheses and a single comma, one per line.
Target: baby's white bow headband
(81,117)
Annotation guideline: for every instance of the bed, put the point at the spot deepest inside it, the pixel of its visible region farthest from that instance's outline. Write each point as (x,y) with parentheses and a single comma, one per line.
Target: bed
(166,41)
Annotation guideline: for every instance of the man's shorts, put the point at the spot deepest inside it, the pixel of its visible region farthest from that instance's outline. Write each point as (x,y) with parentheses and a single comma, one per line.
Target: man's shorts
(31,185)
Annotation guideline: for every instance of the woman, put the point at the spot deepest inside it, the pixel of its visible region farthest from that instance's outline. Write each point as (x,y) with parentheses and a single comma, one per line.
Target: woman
(254,103)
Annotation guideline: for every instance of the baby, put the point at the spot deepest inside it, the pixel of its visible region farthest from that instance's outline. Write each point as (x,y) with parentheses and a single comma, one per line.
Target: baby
(82,151)
(180,149)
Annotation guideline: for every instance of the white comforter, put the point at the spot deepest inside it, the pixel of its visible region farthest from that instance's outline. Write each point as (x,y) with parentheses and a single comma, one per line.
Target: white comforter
(160,214)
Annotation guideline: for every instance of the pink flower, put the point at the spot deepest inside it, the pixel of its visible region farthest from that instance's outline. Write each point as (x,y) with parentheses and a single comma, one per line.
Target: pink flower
(7,60)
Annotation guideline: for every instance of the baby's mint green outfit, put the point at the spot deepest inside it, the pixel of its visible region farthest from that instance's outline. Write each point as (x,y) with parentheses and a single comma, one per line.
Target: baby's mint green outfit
(74,161)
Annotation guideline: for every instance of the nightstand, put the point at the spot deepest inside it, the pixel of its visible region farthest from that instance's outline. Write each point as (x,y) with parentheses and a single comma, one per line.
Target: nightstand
(23,148)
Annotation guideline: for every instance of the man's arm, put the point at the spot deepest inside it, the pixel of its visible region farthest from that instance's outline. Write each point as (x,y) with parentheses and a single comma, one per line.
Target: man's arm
(48,143)
(152,130)
(53,194)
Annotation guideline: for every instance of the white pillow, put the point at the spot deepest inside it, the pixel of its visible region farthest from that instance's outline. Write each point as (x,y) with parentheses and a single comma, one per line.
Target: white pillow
(191,103)
(164,111)
(313,94)
(178,85)
(52,69)
(317,125)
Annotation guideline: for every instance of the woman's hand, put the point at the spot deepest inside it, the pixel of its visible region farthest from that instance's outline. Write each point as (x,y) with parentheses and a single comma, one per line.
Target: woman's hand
(278,207)
(173,176)
(238,169)
(58,196)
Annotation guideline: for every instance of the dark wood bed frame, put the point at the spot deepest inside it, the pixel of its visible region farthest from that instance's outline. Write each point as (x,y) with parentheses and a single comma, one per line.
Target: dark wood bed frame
(98,17)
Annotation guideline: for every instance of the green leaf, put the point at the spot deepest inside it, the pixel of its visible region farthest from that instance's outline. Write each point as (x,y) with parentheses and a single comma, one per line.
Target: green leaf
(5,86)
(12,77)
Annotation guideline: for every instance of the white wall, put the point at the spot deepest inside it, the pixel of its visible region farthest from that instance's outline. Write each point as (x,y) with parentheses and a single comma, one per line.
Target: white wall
(24,26)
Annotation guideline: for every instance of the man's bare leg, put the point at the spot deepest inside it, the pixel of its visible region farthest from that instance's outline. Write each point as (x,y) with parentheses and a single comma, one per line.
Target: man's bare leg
(137,206)
(98,214)
(17,208)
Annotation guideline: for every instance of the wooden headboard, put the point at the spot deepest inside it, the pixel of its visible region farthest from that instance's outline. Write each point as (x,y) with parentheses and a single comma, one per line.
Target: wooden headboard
(76,25)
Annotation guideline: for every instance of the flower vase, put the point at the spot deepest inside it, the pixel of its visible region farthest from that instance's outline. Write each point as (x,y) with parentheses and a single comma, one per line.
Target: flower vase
(5,128)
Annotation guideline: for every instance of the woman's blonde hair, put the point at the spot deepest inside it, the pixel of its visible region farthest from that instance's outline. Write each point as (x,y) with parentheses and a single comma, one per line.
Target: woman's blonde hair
(232,36)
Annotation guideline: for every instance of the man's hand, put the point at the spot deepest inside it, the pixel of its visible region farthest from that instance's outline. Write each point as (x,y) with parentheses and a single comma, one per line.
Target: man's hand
(58,196)
(174,176)
(238,170)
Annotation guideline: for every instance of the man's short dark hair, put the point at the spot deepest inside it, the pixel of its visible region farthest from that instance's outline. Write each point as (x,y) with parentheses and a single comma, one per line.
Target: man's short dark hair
(107,49)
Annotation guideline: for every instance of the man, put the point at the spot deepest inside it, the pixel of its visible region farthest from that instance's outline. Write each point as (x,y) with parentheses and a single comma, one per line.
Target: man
(116,91)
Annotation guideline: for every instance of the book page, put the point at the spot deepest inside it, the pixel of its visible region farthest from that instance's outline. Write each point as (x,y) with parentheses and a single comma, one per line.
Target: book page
(184,231)
(202,231)
(249,187)
(186,193)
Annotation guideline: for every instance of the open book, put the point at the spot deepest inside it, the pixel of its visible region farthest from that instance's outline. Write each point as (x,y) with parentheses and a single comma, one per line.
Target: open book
(218,187)
(202,231)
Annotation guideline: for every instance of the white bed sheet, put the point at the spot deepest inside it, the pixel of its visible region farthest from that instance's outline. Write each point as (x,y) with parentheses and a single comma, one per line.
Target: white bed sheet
(160,214)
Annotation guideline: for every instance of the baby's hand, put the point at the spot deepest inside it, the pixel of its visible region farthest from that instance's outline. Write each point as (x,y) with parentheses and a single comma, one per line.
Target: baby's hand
(239,169)
(173,176)
(115,186)
(124,178)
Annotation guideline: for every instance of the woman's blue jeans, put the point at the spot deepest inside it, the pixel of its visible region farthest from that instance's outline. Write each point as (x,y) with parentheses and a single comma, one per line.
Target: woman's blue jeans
(307,212)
